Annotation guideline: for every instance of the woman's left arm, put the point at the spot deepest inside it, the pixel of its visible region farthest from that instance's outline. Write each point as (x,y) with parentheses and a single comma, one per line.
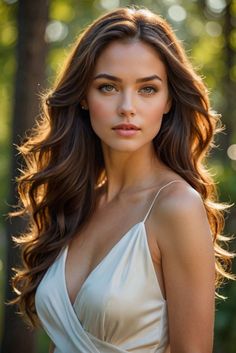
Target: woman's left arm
(188,263)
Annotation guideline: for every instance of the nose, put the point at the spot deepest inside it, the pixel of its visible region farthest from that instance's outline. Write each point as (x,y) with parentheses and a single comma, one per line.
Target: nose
(126,107)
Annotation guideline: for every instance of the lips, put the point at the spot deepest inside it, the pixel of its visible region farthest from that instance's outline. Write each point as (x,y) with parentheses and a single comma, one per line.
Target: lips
(126,127)
(126,130)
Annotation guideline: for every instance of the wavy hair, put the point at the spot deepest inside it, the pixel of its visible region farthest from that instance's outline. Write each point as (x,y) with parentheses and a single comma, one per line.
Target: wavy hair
(64,161)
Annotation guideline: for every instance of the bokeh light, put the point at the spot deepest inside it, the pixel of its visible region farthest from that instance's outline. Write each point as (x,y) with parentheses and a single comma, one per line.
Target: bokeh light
(110,4)
(177,13)
(216,6)
(231,152)
(56,31)
(213,28)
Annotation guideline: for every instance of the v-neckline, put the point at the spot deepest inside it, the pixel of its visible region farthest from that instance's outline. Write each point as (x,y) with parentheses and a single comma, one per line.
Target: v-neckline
(112,249)
(108,254)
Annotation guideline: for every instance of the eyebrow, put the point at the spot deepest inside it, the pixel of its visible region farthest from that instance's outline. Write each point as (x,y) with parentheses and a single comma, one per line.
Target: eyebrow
(117,79)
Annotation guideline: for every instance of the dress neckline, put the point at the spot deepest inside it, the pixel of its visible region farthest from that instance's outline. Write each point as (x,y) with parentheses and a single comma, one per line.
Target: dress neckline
(108,254)
(91,273)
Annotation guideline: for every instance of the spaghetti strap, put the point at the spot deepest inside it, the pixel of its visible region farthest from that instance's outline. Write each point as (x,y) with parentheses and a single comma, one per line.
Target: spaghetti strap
(155,197)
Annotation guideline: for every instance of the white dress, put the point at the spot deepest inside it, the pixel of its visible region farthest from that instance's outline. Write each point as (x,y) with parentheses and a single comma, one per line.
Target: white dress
(119,308)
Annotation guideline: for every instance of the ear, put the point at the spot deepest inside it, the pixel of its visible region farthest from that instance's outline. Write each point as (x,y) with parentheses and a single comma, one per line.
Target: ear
(168,105)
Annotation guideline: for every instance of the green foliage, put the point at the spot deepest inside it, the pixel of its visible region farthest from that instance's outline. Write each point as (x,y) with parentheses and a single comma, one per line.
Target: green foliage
(42,342)
(8,37)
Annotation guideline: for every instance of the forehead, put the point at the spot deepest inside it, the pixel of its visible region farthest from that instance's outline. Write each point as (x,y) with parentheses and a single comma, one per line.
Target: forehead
(130,58)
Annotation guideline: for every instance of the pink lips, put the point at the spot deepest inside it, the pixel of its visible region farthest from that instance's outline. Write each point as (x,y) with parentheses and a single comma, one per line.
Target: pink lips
(126,129)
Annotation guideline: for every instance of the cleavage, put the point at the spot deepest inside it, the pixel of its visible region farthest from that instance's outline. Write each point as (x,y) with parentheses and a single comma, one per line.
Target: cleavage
(99,238)
(82,252)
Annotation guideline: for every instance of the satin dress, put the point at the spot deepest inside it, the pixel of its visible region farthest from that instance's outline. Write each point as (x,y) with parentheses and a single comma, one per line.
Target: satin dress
(119,308)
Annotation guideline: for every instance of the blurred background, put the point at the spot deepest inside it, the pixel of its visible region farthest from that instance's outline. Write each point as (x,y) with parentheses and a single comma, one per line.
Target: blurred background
(35,37)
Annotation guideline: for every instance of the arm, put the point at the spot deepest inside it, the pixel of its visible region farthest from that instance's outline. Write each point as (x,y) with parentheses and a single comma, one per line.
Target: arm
(188,262)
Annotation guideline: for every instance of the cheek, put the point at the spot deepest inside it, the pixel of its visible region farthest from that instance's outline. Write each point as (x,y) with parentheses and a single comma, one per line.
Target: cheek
(99,118)
(155,113)
(155,126)
(154,117)
(96,108)
(97,103)
(100,112)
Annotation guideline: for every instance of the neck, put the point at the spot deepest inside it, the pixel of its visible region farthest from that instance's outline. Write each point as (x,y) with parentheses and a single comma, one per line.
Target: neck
(131,171)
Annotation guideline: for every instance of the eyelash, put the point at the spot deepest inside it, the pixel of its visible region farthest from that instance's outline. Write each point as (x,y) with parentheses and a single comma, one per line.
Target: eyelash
(109,85)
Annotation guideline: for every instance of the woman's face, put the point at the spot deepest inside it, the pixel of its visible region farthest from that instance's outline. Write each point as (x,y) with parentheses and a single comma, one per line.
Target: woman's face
(127,96)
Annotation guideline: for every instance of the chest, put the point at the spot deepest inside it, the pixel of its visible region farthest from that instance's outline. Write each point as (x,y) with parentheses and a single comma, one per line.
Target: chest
(92,246)
(120,301)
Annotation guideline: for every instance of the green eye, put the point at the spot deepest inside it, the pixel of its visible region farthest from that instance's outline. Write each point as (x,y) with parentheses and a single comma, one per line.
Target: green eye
(149,89)
(106,88)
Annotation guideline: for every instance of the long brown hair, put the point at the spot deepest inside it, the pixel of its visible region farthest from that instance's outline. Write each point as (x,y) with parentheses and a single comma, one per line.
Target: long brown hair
(64,160)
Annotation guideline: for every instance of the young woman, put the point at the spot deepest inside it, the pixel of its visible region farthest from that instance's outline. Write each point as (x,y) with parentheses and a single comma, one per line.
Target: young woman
(122,253)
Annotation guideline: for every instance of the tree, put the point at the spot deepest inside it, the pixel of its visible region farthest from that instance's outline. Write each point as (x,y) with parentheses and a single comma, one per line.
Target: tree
(32,18)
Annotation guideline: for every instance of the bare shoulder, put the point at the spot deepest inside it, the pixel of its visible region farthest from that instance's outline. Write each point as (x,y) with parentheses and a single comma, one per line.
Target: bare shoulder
(177,200)
(179,213)
(183,235)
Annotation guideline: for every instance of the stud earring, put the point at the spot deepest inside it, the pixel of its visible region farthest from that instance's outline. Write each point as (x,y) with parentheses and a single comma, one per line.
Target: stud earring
(84,107)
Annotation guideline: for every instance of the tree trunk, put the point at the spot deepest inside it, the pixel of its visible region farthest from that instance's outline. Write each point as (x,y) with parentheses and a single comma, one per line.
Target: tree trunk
(229,86)
(30,73)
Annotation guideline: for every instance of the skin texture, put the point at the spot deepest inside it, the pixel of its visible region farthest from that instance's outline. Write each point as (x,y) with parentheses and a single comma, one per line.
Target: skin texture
(181,249)
(187,254)
(145,102)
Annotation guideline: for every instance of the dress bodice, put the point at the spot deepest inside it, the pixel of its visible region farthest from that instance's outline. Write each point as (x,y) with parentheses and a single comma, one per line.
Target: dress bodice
(119,308)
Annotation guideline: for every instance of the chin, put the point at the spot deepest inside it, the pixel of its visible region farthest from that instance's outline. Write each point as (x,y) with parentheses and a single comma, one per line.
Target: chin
(124,147)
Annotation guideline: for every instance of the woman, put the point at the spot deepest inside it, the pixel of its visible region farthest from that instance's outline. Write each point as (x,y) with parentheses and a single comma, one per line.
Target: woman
(122,253)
